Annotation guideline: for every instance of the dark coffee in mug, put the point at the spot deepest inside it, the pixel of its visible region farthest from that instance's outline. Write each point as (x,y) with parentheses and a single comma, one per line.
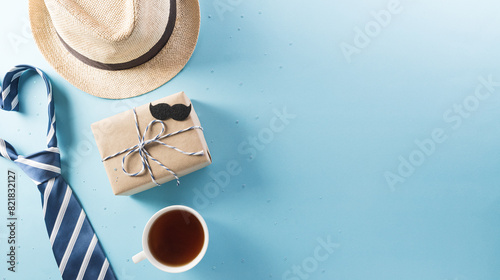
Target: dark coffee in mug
(176,238)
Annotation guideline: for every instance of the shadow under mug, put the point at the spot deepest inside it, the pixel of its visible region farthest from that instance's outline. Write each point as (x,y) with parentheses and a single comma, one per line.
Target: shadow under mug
(146,253)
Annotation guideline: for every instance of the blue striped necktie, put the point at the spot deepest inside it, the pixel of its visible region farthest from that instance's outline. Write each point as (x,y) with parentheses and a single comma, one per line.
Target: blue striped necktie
(74,243)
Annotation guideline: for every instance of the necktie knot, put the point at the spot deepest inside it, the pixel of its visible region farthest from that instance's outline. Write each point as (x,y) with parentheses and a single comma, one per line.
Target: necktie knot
(41,166)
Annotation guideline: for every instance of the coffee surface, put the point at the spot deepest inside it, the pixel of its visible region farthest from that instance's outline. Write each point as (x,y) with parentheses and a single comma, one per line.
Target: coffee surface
(176,238)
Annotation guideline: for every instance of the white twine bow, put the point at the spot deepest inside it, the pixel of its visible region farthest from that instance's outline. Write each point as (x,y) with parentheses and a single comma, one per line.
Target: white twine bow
(144,154)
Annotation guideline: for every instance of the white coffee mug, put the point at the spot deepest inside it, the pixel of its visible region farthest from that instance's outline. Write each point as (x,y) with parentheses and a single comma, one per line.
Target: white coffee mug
(146,253)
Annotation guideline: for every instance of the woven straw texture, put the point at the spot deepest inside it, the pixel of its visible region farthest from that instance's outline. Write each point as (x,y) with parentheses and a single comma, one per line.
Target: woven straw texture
(124,83)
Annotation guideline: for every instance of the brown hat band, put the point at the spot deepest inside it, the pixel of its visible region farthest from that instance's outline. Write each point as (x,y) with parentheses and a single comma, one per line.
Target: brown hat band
(135,62)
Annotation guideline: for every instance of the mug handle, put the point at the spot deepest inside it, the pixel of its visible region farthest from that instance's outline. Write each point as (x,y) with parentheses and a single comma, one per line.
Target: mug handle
(139,257)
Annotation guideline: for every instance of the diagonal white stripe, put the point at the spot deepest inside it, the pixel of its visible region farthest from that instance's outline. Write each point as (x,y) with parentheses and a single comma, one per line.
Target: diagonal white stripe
(86,260)
(104,269)
(60,215)
(52,130)
(49,96)
(72,241)
(15,101)
(17,75)
(46,195)
(53,150)
(5,93)
(15,69)
(3,150)
(39,165)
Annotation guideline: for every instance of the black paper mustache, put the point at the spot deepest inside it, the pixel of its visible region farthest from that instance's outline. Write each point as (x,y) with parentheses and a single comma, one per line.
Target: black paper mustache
(163,111)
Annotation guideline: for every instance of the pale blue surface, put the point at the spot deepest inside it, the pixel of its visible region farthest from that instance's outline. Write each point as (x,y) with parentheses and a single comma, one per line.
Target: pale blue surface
(323,174)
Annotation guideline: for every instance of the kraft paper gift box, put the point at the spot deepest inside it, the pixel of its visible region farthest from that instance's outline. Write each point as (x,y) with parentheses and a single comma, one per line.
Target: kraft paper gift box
(119,132)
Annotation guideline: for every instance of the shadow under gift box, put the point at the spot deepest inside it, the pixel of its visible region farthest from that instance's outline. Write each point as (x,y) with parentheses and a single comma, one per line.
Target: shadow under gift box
(119,132)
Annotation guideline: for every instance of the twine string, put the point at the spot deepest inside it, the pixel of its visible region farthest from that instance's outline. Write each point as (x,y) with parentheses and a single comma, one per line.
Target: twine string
(140,148)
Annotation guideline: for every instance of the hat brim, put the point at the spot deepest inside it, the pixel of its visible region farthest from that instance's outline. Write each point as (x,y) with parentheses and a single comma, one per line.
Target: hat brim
(124,83)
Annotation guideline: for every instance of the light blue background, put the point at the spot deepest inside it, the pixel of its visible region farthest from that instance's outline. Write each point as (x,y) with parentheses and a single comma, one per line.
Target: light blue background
(322,176)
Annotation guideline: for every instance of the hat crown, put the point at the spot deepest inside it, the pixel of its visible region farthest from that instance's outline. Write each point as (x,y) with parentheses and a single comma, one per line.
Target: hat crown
(109,31)
(112,20)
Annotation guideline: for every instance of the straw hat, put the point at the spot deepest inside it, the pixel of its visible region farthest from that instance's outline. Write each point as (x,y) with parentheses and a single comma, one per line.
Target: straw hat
(116,48)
